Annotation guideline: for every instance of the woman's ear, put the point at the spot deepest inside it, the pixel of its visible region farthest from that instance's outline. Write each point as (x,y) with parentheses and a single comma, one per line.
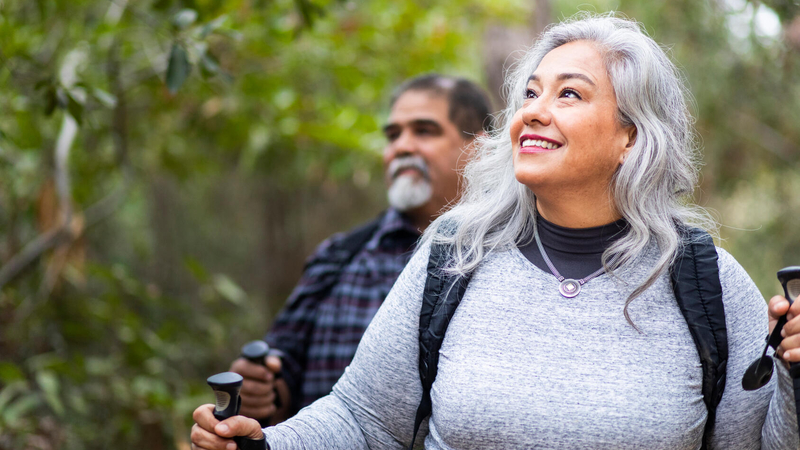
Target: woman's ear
(631,136)
(629,144)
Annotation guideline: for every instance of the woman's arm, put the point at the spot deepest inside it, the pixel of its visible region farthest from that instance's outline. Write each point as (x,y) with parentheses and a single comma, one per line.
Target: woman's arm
(783,412)
(763,418)
(780,427)
(374,403)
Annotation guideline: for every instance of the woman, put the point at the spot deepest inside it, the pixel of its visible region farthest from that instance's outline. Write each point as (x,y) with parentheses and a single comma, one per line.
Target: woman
(586,180)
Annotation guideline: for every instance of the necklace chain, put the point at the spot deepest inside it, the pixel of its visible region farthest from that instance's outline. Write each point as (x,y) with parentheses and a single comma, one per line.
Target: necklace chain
(569,287)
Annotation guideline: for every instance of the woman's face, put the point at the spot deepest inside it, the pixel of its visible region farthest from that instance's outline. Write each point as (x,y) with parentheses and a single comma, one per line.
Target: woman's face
(566,138)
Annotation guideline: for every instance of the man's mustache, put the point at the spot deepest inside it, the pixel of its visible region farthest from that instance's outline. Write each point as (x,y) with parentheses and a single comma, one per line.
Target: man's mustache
(408,162)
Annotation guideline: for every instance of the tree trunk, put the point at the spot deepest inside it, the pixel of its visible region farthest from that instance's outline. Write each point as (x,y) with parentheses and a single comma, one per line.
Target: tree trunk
(504,46)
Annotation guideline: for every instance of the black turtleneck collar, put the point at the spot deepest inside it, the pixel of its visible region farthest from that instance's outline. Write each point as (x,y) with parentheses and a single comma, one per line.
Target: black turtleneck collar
(575,252)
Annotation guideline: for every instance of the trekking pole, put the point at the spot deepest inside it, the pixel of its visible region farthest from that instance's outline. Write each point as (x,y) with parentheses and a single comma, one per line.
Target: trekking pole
(760,371)
(226,386)
(256,352)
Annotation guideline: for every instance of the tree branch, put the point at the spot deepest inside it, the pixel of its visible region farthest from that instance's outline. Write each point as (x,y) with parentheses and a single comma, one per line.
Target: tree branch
(69,129)
(31,253)
(63,231)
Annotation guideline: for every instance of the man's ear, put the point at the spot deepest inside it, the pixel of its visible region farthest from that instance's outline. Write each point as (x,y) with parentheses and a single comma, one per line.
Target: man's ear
(473,137)
(471,142)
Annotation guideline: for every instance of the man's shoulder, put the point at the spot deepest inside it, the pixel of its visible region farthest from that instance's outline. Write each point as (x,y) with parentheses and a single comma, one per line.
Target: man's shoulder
(340,247)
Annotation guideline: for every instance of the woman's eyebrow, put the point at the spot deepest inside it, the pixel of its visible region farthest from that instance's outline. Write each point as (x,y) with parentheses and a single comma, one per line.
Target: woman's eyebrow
(565,76)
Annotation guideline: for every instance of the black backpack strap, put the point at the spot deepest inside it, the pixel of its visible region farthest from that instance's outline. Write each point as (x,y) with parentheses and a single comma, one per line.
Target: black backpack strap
(341,252)
(695,281)
(356,240)
(442,295)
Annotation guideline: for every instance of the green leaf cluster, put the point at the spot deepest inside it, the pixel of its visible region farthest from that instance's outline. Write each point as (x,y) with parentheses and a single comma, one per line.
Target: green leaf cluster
(200,123)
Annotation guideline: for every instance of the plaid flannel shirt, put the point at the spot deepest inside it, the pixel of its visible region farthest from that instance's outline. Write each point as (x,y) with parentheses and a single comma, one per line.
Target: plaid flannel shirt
(318,331)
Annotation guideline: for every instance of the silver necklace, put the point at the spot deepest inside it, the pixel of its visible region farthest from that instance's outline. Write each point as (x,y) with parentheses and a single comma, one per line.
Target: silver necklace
(569,287)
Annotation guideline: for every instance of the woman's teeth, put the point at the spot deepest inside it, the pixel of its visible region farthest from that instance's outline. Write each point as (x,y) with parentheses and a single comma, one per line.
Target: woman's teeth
(539,143)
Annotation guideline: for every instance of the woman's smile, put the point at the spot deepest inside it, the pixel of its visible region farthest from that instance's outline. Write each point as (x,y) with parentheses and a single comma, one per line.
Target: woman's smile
(533,143)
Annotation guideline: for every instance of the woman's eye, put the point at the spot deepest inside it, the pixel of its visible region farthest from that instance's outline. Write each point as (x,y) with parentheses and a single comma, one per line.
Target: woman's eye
(530,93)
(570,93)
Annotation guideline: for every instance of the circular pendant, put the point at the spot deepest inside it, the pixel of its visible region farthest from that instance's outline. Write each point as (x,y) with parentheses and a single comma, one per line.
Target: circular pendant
(569,288)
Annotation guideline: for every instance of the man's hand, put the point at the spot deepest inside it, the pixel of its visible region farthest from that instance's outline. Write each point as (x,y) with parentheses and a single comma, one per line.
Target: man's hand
(789,349)
(209,433)
(258,387)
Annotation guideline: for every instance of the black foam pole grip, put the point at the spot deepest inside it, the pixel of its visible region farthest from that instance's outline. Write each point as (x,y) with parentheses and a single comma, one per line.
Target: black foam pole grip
(226,386)
(256,352)
(245,443)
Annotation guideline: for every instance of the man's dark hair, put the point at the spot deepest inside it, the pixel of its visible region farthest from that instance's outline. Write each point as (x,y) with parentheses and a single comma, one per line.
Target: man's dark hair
(469,104)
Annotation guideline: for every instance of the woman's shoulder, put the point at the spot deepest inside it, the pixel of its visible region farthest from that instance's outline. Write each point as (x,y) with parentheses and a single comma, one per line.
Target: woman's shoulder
(730,271)
(741,296)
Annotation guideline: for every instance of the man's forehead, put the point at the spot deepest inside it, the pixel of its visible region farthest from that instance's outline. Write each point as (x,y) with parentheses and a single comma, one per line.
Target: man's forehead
(413,123)
(416,106)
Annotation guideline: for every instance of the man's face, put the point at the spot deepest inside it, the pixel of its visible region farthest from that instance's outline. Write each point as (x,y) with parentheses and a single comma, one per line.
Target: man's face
(424,155)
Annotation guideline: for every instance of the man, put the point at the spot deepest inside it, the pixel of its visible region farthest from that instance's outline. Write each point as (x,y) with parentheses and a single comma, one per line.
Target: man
(431,128)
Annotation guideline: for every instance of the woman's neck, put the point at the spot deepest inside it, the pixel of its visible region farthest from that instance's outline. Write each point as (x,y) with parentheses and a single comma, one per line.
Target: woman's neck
(574,252)
(574,213)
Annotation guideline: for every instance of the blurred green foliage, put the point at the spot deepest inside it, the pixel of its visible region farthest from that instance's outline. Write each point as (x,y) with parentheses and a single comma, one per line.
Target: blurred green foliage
(182,157)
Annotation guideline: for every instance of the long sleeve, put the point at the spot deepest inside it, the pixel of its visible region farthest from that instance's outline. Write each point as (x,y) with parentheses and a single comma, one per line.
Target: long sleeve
(780,429)
(373,404)
(764,418)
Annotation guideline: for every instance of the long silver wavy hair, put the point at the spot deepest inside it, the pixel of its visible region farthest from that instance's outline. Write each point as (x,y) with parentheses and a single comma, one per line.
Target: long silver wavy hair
(651,190)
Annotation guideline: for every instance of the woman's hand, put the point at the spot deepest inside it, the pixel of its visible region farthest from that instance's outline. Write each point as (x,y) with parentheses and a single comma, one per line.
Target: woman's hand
(209,433)
(789,349)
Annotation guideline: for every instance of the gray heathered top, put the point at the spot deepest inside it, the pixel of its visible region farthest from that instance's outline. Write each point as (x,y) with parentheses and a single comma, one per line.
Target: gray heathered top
(523,367)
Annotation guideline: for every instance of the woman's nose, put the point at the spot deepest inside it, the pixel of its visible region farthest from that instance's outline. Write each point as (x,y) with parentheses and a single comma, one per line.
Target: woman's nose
(536,110)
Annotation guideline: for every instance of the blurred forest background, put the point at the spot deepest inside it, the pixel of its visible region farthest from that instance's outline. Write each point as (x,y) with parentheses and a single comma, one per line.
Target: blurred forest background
(167,165)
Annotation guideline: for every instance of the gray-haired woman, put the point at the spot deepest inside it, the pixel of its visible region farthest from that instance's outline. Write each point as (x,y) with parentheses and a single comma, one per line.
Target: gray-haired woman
(587,180)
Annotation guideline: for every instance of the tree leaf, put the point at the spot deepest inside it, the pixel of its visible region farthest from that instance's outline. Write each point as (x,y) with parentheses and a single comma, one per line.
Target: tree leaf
(162,5)
(178,68)
(48,381)
(106,98)
(306,10)
(44,82)
(196,269)
(213,26)
(209,66)
(11,390)
(9,371)
(50,101)
(18,408)
(75,109)
(184,18)
(229,290)
(61,97)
